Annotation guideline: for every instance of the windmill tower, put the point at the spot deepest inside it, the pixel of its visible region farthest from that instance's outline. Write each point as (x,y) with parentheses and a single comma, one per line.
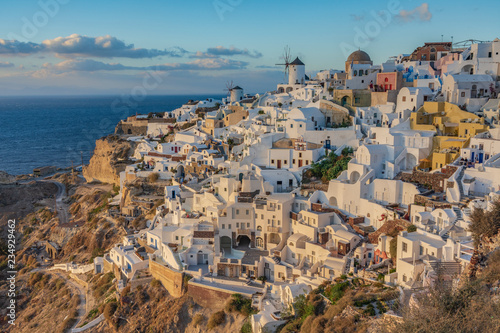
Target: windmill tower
(235,92)
(295,70)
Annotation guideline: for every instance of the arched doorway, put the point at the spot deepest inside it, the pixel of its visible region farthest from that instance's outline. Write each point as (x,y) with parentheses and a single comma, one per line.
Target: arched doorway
(346,100)
(243,241)
(225,244)
(411,161)
(354,177)
(333,202)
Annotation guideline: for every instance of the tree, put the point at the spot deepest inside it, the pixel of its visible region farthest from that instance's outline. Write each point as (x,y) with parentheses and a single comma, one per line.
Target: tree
(411,228)
(485,224)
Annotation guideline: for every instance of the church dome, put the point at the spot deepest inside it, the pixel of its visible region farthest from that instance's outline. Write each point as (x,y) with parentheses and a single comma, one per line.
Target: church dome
(359,56)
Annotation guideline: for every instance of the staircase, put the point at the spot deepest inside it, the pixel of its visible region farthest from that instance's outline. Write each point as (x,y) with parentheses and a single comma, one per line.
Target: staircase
(349,256)
(458,212)
(276,260)
(459,182)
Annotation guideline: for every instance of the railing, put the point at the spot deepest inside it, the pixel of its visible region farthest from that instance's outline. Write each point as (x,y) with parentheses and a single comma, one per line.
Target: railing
(273,229)
(244,232)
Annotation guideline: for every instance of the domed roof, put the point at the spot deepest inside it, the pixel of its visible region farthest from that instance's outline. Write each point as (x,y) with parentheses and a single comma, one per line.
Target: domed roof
(359,56)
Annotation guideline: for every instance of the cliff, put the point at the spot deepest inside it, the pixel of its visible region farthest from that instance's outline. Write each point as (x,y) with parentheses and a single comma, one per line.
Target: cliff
(110,157)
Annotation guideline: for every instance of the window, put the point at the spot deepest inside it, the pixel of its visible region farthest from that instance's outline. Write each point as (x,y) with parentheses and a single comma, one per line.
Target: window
(237,225)
(272,161)
(237,212)
(248,225)
(291,125)
(293,161)
(247,212)
(405,247)
(261,216)
(176,237)
(462,94)
(229,226)
(421,250)
(404,98)
(300,154)
(223,226)
(260,242)
(259,228)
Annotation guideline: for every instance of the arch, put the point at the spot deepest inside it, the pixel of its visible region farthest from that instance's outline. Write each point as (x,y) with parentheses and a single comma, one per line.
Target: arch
(243,241)
(274,238)
(411,161)
(281,90)
(333,202)
(289,89)
(355,73)
(260,242)
(386,79)
(468,69)
(259,228)
(225,244)
(354,177)
(346,100)
(129,131)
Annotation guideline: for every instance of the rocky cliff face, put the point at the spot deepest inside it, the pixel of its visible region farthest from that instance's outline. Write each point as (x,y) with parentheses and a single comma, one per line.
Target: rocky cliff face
(110,157)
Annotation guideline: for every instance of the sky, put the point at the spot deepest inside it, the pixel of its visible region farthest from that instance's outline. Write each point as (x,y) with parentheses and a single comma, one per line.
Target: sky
(163,47)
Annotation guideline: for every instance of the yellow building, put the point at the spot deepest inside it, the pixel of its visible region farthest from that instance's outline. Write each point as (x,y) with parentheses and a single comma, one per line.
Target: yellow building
(453,126)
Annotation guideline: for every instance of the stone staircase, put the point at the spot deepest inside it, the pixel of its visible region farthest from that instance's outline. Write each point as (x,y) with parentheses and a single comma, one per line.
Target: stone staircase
(458,212)
(459,182)
(349,257)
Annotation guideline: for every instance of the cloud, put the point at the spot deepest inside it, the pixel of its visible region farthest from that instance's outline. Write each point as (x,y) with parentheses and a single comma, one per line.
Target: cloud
(204,64)
(4,64)
(268,67)
(420,13)
(84,65)
(83,46)
(219,51)
(17,47)
(88,65)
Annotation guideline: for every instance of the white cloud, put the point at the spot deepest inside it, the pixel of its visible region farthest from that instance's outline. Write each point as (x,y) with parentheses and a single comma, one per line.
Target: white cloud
(83,46)
(420,13)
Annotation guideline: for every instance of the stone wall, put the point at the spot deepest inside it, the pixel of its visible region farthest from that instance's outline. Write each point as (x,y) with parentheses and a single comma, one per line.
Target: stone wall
(208,297)
(172,280)
(132,126)
(435,181)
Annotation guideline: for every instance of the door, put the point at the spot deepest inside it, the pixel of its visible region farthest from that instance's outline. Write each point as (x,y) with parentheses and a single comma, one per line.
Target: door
(300,163)
(200,259)
(280,186)
(279,164)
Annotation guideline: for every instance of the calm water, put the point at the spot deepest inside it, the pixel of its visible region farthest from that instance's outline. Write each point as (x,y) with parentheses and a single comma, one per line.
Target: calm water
(41,131)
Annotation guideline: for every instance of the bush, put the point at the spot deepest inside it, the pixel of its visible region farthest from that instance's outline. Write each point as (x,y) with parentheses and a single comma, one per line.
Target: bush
(198,319)
(411,228)
(155,283)
(238,303)
(216,319)
(109,310)
(153,177)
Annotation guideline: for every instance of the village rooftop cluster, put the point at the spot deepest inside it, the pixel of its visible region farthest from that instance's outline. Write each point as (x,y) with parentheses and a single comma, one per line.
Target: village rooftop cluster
(269,195)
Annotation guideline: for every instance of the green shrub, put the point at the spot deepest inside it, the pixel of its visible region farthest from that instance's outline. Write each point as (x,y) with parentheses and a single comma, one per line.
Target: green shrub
(238,303)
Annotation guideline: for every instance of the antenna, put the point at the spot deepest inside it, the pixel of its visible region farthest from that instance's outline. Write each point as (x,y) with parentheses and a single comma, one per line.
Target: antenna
(287,59)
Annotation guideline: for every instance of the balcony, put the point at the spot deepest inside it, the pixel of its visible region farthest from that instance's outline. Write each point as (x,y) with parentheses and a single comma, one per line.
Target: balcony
(273,229)
(244,232)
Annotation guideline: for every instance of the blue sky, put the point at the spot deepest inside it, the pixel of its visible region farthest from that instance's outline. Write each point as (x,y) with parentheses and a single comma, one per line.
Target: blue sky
(97,47)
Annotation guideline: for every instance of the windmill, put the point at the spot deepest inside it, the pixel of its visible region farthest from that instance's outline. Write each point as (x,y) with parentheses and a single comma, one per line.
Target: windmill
(287,59)
(229,87)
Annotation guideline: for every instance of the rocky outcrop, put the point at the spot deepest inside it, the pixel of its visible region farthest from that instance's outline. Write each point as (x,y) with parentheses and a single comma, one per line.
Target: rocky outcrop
(111,156)
(5,178)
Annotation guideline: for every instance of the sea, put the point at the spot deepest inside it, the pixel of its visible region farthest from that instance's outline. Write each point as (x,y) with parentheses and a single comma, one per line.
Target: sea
(61,131)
